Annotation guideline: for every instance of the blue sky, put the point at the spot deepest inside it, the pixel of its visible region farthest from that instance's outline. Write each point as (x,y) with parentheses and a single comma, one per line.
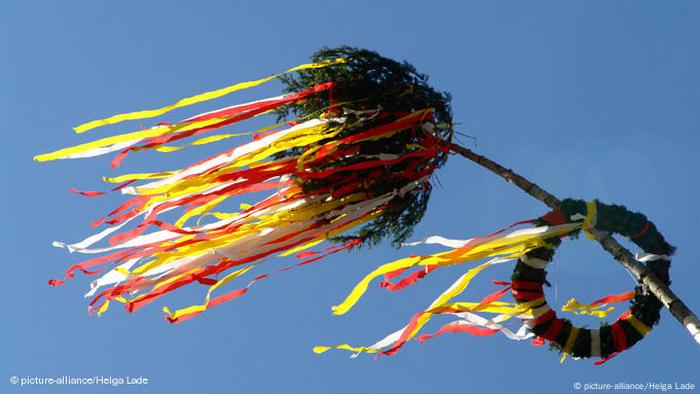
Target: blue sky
(589,99)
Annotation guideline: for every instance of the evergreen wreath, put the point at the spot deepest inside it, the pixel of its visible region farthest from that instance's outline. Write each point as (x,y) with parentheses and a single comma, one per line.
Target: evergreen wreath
(529,276)
(368,83)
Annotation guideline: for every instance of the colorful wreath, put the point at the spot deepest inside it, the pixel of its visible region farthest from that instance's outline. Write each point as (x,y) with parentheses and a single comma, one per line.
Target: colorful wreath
(533,248)
(529,276)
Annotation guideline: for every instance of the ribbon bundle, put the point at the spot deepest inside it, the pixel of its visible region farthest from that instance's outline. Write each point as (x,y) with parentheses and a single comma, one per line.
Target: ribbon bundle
(500,247)
(321,178)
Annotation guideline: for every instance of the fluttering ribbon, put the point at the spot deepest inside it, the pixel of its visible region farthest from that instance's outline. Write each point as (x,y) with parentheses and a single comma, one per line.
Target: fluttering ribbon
(499,247)
(595,308)
(197,98)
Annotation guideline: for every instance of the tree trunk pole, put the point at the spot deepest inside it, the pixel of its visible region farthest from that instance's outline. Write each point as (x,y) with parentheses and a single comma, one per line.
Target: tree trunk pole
(674,304)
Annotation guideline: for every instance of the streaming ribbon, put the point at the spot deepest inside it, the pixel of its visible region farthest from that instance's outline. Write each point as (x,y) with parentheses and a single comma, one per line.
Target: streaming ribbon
(143,256)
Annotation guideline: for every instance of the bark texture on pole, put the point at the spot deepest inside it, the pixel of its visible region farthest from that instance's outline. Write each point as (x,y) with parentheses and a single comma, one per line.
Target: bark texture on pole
(674,304)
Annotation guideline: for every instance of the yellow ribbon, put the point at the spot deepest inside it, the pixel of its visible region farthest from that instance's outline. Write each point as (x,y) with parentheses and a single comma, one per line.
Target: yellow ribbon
(590,220)
(198,98)
(132,138)
(569,343)
(573,306)
(641,328)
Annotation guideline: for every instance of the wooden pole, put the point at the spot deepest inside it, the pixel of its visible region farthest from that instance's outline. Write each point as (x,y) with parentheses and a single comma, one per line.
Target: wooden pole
(674,304)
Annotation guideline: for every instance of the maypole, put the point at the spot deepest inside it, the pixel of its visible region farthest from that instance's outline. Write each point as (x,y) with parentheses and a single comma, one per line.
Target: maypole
(348,160)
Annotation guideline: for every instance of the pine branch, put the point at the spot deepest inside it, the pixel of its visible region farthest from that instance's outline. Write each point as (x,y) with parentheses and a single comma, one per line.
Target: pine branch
(662,292)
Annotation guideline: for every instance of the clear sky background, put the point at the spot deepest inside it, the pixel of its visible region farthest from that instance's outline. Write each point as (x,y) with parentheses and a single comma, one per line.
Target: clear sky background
(590,99)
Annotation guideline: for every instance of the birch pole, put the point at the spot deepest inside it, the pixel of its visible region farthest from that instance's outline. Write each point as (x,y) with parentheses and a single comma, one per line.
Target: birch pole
(669,299)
